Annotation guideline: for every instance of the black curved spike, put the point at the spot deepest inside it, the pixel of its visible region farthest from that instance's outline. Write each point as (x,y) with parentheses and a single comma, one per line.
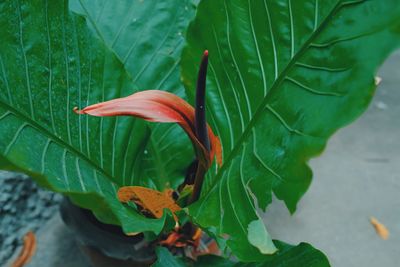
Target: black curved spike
(200,109)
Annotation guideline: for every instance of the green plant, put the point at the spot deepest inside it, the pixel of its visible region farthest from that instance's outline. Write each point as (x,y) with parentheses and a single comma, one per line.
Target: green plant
(283,77)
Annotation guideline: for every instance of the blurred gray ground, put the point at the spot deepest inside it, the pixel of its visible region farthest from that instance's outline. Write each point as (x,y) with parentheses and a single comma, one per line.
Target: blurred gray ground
(23,207)
(358,176)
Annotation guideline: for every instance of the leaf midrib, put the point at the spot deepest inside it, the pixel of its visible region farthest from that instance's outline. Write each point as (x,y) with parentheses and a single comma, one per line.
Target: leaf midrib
(55,139)
(92,22)
(274,87)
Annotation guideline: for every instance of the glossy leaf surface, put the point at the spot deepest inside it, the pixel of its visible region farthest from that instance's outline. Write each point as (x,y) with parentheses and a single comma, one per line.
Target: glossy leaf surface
(50,62)
(148,37)
(284,76)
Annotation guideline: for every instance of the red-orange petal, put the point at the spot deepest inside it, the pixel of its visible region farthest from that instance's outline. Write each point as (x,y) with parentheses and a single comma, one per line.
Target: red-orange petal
(159,106)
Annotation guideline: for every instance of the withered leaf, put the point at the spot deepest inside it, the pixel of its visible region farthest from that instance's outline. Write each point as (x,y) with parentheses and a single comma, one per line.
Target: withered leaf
(151,200)
(380,229)
(27,250)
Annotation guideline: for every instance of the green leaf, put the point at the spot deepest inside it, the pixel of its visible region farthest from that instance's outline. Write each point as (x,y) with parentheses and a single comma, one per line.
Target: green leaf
(283,77)
(302,255)
(50,63)
(166,259)
(148,37)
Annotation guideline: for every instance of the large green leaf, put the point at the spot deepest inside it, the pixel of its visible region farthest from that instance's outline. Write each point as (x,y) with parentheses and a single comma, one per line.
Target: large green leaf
(49,63)
(302,255)
(148,37)
(283,77)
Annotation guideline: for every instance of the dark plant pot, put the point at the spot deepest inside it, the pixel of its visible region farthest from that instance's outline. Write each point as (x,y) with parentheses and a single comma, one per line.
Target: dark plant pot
(105,245)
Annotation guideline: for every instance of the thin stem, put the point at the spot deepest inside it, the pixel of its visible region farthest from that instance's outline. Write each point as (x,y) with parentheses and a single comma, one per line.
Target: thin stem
(198,183)
(190,175)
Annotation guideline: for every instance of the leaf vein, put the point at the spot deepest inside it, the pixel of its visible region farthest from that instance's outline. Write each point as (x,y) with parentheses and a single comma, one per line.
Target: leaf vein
(291,29)
(50,68)
(283,122)
(244,89)
(229,78)
(79,174)
(15,137)
(263,163)
(64,169)
(160,46)
(272,40)
(133,46)
(315,67)
(5,80)
(316,15)
(28,83)
(3,116)
(78,64)
(228,118)
(46,147)
(127,145)
(309,89)
(68,109)
(257,50)
(228,183)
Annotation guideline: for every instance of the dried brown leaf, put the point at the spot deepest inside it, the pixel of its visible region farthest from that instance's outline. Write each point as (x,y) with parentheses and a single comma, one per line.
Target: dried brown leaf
(151,200)
(28,250)
(380,229)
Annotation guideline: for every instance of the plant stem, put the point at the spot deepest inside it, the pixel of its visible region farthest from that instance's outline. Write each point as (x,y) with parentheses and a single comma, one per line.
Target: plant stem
(190,175)
(198,183)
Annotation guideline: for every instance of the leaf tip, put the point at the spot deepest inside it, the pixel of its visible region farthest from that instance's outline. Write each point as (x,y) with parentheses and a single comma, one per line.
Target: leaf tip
(78,111)
(260,238)
(377,80)
(125,194)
